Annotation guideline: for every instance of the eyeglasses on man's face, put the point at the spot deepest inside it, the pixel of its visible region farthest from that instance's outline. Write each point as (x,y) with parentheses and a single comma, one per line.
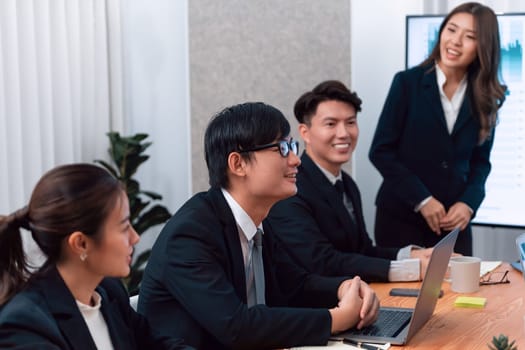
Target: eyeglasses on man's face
(284,147)
(498,277)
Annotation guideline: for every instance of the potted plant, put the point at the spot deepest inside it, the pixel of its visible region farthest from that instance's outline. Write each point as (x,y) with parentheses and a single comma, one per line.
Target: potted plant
(127,154)
(502,343)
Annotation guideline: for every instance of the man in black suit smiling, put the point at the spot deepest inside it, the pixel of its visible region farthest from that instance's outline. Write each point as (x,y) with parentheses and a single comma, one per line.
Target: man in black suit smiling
(322,226)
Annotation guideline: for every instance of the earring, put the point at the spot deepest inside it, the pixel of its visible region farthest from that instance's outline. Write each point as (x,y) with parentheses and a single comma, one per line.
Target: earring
(83,256)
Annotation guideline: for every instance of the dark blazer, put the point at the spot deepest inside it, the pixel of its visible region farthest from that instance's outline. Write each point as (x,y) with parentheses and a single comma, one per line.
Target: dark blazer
(194,285)
(45,316)
(316,229)
(418,157)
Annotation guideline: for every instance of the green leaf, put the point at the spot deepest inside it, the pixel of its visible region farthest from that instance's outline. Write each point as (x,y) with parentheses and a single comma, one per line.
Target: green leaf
(138,137)
(144,146)
(152,195)
(154,216)
(132,163)
(132,188)
(117,150)
(135,212)
(133,281)
(114,137)
(141,259)
(136,206)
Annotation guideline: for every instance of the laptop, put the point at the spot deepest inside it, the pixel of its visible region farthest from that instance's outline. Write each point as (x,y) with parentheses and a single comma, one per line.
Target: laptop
(398,325)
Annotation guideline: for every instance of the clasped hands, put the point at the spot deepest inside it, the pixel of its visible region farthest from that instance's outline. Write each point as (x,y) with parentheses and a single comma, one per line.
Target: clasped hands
(438,219)
(358,306)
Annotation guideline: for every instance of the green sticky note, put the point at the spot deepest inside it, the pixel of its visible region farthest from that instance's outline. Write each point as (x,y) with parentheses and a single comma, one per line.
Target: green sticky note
(470,302)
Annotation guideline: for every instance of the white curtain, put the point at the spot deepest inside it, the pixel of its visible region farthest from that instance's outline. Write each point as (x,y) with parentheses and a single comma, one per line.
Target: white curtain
(60,88)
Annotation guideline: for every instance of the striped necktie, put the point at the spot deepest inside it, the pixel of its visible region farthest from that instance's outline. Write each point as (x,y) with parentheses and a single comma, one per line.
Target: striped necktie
(340,188)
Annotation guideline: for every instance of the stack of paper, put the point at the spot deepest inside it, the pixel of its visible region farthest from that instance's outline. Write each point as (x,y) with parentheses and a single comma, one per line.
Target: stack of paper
(338,344)
(488,266)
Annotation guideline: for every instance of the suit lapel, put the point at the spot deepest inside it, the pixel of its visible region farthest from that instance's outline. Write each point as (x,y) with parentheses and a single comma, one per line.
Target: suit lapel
(431,95)
(63,306)
(231,237)
(327,190)
(465,114)
(118,330)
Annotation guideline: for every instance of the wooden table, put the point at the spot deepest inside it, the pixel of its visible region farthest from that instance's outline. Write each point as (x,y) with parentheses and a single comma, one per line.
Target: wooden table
(462,328)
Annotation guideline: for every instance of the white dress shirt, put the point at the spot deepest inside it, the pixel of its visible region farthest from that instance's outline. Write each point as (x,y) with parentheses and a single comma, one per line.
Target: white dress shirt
(96,323)
(451,107)
(247,230)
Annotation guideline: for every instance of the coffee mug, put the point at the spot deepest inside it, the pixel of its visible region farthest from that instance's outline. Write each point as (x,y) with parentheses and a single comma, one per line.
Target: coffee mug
(464,273)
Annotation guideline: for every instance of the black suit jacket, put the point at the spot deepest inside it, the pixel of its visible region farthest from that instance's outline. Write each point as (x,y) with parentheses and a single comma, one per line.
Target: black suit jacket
(418,157)
(194,285)
(316,228)
(45,316)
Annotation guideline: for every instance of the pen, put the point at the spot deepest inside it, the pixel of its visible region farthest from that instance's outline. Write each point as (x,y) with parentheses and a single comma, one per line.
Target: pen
(362,345)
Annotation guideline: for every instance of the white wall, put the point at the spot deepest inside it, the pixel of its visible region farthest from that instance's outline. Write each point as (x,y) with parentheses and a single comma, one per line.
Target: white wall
(156,95)
(378,51)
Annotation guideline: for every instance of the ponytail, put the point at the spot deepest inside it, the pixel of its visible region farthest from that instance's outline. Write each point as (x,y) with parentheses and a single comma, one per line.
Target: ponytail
(14,268)
(68,198)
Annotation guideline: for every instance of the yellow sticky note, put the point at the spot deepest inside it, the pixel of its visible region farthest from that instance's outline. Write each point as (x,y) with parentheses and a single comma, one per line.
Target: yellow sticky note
(471,302)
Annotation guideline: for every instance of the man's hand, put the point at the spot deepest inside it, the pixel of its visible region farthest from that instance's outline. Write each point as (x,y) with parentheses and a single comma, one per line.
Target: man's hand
(358,306)
(370,309)
(433,211)
(424,257)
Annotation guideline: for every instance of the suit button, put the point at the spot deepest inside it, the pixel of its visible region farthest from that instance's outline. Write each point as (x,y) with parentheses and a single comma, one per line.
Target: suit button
(444,164)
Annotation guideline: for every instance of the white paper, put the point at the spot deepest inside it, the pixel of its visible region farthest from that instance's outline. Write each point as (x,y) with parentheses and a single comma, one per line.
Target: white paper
(333,344)
(487,266)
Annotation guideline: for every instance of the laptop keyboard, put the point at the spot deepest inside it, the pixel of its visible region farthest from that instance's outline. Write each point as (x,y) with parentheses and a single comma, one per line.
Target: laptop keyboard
(388,324)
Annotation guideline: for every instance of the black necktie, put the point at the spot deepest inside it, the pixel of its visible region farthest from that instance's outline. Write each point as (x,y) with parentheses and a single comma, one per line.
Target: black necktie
(349,206)
(340,188)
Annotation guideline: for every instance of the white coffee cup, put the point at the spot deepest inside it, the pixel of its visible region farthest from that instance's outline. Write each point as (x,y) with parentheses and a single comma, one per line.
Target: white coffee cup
(464,273)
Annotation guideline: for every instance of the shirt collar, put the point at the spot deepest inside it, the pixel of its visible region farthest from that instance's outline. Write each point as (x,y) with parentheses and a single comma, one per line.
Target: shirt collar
(329,175)
(97,301)
(442,78)
(243,220)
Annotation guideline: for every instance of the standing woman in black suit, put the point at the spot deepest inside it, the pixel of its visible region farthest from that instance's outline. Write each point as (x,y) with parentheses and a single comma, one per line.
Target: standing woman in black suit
(435,133)
(79,217)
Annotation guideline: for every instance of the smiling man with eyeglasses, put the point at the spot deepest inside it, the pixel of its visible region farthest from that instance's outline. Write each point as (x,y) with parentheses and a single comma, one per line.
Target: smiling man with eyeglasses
(217,276)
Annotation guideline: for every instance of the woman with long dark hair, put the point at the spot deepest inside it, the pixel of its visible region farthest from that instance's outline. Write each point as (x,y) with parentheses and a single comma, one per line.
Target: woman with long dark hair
(435,133)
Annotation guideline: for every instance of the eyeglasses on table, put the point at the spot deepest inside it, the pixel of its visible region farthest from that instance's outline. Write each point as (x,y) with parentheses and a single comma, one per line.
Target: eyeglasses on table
(497,277)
